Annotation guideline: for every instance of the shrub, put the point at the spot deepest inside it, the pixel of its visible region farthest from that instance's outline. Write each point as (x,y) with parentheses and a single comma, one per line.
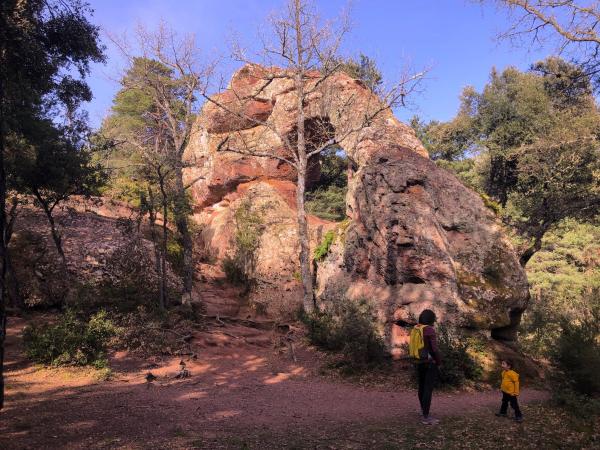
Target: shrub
(175,255)
(348,327)
(491,204)
(575,402)
(151,332)
(563,275)
(249,227)
(322,249)
(234,273)
(577,350)
(458,364)
(71,341)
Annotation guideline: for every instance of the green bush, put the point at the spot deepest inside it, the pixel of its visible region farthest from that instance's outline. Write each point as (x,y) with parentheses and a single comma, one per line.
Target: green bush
(322,249)
(70,341)
(234,273)
(151,332)
(458,364)
(348,327)
(563,275)
(578,404)
(249,227)
(577,351)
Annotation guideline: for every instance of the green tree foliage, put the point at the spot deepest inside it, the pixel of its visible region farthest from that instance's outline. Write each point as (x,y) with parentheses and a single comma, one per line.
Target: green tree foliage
(46,47)
(362,68)
(532,137)
(249,227)
(327,198)
(152,120)
(562,275)
(52,165)
(145,162)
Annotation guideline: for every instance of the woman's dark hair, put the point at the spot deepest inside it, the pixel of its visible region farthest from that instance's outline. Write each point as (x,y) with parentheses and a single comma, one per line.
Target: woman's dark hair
(427,317)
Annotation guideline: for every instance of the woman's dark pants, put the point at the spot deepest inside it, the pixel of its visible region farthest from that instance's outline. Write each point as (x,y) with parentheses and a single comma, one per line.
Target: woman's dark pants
(427,374)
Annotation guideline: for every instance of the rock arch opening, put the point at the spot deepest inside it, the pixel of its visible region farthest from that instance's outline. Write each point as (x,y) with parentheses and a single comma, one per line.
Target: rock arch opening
(329,171)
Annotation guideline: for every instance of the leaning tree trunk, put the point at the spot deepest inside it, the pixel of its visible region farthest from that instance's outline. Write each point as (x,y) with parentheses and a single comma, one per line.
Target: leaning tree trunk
(53,230)
(2,244)
(530,251)
(181,222)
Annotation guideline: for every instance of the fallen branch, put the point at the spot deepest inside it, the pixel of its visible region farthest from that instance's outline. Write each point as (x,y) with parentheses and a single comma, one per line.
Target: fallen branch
(225,333)
(183,337)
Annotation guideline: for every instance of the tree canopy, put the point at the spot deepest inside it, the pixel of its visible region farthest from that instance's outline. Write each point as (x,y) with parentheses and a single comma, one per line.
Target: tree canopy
(46,48)
(533,140)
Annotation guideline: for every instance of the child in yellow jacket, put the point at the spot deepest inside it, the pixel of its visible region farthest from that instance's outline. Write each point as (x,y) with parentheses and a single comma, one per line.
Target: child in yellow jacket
(510,391)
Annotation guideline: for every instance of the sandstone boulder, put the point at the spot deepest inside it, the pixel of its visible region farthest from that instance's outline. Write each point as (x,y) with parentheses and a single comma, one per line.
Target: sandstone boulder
(415,236)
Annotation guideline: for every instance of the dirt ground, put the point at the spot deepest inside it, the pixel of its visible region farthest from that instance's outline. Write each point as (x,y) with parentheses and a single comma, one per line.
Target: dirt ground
(239,384)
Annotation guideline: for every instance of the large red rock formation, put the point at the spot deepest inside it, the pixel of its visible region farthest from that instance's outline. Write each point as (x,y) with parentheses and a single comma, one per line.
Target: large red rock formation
(416,237)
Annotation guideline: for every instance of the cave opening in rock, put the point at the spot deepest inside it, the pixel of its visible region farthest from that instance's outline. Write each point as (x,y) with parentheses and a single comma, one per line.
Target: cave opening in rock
(326,193)
(509,332)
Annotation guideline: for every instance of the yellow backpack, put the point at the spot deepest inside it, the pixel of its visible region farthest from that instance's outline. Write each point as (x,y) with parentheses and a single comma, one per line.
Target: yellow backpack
(416,345)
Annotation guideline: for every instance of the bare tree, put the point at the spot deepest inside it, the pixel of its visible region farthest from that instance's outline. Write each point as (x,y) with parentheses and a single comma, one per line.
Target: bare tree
(304,53)
(158,175)
(167,69)
(571,26)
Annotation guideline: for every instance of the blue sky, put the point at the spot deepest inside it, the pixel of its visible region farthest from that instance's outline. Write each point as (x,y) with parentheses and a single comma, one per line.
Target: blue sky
(454,37)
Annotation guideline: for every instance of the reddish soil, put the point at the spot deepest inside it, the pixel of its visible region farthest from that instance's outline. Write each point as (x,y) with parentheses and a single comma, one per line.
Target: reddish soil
(238,382)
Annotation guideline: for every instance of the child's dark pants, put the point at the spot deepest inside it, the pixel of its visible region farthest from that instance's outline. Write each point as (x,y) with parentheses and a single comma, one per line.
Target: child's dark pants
(427,375)
(512,399)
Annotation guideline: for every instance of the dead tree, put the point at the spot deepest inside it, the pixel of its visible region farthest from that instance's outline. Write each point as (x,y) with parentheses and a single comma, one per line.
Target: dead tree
(568,25)
(306,52)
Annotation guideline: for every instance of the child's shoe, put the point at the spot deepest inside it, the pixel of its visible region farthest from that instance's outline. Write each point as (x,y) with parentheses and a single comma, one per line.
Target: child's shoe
(519,419)
(501,415)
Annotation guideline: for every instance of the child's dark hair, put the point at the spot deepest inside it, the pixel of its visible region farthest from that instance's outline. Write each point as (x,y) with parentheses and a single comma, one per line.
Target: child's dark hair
(508,362)
(427,317)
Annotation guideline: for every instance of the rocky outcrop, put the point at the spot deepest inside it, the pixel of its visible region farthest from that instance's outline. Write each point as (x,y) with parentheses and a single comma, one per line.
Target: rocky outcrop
(102,244)
(415,237)
(420,239)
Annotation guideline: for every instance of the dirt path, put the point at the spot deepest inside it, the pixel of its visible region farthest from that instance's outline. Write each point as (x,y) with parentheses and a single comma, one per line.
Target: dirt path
(235,384)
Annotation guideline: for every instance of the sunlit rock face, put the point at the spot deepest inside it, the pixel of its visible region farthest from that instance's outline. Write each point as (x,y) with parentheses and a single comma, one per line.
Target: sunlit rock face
(415,236)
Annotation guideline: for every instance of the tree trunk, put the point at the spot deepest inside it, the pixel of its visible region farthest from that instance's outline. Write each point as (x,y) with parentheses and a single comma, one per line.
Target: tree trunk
(55,234)
(532,250)
(181,222)
(2,243)
(308,298)
(165,237)
(156,245)
(12,284)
